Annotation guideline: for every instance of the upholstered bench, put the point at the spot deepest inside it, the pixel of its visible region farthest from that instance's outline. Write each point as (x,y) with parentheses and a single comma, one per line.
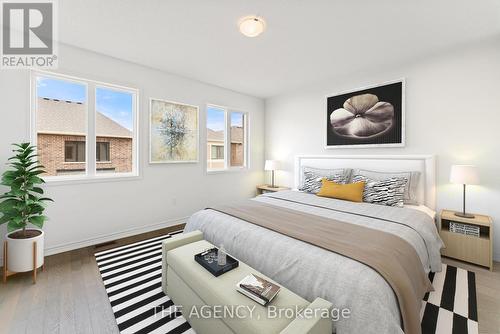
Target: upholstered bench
(189,285)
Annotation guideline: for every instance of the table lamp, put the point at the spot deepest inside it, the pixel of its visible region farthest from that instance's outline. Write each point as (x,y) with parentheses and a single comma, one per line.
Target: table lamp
(464,174)
(272,165)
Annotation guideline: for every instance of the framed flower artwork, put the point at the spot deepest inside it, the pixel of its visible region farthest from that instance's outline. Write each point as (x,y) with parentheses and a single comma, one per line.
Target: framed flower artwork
(367,117)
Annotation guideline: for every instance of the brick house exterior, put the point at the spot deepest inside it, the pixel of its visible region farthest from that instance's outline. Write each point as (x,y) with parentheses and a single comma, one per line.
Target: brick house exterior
(63,122)
(51,154)
(216,139)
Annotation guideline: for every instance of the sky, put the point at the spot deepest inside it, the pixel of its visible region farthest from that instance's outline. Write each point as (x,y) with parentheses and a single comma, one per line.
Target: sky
(215,118)
(118,105)
(114,104)
(61,90)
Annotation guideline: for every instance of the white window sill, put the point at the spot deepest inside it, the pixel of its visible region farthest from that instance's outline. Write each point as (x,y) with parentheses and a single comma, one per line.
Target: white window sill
(227,170)
(82,179)
(83,162)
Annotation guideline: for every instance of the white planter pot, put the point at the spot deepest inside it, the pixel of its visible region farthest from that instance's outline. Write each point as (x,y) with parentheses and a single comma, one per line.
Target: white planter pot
(20,252)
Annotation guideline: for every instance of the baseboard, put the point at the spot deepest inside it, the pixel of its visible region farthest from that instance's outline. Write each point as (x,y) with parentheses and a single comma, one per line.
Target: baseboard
(126,233)
(112,236)
(65,247)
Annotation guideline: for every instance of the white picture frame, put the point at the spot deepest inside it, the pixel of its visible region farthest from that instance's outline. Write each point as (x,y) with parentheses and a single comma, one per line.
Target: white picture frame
(326,123)
(153,156)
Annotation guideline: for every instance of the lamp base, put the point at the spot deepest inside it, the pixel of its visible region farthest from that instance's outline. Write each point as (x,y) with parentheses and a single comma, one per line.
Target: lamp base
(271,186)
(464,215)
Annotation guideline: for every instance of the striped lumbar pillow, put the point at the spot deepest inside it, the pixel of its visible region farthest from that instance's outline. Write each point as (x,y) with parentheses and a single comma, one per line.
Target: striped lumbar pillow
(388,192)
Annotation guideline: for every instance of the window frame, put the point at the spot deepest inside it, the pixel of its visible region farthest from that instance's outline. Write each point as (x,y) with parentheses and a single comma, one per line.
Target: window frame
(90,174)
(76,144)
(245,139)
(218,150)
(107,144)
(227,140)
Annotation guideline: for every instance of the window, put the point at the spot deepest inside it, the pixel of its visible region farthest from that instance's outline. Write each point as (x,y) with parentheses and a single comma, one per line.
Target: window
(217,152)
(102,152)
(237,135)
(216,137)
(83,128)
(74,151)
(114,124)
(223,127)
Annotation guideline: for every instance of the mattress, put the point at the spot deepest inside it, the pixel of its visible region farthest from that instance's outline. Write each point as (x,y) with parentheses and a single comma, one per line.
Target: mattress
(313,272)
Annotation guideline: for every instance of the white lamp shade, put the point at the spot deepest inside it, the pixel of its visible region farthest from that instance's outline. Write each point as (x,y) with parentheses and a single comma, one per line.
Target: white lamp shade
(271,165)
(464,174)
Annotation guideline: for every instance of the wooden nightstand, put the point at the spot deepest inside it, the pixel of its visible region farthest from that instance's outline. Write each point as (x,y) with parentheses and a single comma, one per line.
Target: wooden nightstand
(265,188)
(469,248)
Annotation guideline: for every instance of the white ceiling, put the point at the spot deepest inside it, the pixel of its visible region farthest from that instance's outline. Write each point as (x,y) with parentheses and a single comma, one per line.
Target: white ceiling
(305,41)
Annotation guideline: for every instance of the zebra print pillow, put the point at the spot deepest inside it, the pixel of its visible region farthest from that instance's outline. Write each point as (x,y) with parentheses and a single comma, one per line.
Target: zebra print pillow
(411,187)
(312,178)
(388,192)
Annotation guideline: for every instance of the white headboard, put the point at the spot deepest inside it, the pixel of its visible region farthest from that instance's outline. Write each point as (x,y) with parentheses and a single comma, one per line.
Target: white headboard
(425,164)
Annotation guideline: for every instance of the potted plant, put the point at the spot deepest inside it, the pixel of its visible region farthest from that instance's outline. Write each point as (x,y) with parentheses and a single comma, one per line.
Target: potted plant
(21,206)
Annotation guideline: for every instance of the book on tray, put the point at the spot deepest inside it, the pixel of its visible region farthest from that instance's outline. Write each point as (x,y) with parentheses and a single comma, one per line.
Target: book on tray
(260,290)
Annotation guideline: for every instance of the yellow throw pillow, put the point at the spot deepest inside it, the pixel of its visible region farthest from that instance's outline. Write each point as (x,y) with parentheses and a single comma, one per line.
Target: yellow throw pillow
(350,192)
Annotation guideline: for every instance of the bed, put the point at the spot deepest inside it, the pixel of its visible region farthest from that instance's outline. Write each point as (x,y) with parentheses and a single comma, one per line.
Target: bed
(313,272)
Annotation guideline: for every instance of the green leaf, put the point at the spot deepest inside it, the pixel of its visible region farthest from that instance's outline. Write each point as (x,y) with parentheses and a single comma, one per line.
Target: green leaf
(22,145)
(9,175)
(7,195)
(37,190)
(18,192)
(35,180)
(32,156)
(11,226)
(38,220)
(37,167)
(38,172)
(8,204)
(4,219)
(16,220)
(36,208)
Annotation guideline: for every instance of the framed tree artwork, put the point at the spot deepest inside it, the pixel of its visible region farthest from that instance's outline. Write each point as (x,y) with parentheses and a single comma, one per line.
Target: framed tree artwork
(173,129)
(367,117)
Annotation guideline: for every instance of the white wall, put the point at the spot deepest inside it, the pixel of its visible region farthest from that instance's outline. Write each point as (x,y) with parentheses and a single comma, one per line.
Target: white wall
(166,194)
(452,111)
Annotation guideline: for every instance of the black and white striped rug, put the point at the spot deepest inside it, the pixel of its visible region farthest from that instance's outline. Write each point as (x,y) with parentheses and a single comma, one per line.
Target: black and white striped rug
(132,278)
(452,307)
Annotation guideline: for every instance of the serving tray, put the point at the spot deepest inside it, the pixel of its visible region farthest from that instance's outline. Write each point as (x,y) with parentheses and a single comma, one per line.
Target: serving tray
(213,267)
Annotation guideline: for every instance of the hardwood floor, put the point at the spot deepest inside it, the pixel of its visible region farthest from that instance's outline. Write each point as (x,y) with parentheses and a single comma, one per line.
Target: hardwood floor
(69,296)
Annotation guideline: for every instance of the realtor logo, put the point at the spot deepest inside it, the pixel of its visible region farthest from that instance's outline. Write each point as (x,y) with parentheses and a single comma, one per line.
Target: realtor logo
(28,34)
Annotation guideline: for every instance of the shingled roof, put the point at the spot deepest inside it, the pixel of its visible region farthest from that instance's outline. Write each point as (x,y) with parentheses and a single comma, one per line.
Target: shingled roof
(69,118)
(218,136)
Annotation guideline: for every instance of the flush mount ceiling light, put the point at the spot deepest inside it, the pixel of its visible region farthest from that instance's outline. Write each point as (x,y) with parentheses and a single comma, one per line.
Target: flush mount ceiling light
(252,26)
